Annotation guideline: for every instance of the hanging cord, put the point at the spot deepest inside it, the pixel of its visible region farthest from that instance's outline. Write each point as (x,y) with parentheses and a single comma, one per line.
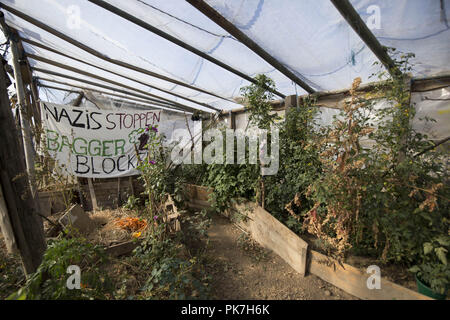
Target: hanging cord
(443,14)
(6,44)
(186,22)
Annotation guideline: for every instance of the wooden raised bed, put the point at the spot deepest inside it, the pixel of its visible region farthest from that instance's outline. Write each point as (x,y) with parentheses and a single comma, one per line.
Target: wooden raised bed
(52,202)
(353,280)
(198,196)
(272,234)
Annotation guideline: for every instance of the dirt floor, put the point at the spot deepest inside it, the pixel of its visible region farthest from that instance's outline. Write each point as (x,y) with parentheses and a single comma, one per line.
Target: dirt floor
(240,269)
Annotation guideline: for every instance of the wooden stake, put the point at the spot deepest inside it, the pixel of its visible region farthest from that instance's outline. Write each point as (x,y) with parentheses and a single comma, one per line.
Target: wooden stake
(130,178)
(118,192)
(92,192)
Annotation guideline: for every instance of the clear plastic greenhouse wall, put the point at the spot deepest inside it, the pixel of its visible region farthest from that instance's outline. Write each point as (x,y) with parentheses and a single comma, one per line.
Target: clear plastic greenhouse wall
(241,153)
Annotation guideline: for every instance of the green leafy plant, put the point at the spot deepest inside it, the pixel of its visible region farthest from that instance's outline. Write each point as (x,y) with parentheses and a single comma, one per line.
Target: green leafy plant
(231,181)
(375,195)
(173,275)
(49,282)
(11,273)
(258,97)
(132,203)
(434,269)
(299,165)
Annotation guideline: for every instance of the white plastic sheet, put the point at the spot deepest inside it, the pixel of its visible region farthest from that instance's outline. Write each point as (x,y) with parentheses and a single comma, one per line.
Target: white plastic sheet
(310,37)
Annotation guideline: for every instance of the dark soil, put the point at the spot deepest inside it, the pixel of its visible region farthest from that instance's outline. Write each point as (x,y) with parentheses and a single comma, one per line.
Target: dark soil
(241,269)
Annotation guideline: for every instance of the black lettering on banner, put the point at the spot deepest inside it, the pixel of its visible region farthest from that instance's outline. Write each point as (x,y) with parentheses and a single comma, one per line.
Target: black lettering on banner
(130,163)
(75,122)
(92,118)
(82,163)
(112,122)
(113,165)
(92,166)
(65,115)
(118,163)
(55,114)
(88,125)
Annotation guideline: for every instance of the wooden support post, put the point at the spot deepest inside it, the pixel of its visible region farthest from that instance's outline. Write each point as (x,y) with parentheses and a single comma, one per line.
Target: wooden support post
(78,99)
(231,120)
(20,205)
(6,227)
(118,193)
(131,184)
(35,95)
(290,102)
(92,193)
(21,101)
(36,117)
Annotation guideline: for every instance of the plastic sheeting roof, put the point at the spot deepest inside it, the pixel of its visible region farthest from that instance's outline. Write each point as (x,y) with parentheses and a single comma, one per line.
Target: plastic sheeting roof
(310,37)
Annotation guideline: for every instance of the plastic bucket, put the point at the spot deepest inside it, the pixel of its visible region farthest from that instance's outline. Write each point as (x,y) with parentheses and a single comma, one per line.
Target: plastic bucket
(427,291)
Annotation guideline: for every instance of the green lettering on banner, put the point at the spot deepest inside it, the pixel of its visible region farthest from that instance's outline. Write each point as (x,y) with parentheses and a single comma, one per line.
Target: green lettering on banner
(120,147)
(83,148)
(105,147)
(98,149)
(64,142)
(54,140)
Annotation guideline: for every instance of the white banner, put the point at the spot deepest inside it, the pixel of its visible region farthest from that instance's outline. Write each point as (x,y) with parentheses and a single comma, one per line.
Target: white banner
(95,143)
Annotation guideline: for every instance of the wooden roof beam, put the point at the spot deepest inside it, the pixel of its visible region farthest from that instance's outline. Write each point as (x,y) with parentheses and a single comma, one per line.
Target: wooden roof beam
(216,17)
(125,15)
(42,46)
(133,97)
(54,73)
(94,76)
(139,105)
(98,54)
(352,17)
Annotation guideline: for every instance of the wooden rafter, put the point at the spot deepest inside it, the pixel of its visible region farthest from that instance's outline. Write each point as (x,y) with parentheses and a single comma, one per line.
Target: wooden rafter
(40,45)
(98,54)
(352,17)
(182,44)
(215,16)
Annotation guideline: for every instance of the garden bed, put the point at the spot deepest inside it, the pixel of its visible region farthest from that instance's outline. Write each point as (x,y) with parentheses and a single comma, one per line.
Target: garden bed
(272,234)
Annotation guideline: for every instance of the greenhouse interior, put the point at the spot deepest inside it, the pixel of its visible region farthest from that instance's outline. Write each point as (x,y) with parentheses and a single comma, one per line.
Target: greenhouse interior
(262,150)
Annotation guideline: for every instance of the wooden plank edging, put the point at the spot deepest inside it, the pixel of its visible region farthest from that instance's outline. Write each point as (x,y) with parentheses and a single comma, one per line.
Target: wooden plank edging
(272,234)
(354,281)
